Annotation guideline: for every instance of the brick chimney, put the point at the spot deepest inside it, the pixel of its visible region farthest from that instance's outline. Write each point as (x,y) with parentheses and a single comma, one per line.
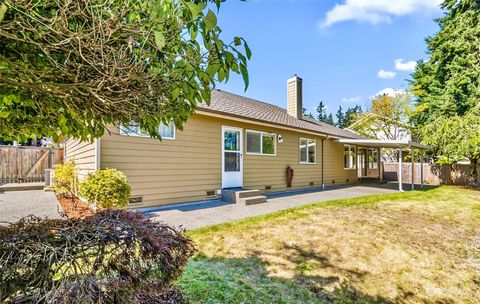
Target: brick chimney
(294,97)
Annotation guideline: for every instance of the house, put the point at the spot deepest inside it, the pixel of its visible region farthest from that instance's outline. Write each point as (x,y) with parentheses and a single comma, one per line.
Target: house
(235,142)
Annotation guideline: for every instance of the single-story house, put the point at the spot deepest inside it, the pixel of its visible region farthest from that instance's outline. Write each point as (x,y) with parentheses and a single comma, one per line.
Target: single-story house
(235,142)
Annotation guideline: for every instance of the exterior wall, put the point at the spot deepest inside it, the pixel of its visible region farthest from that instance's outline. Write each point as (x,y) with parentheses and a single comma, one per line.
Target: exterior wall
(84,155)
(185,168)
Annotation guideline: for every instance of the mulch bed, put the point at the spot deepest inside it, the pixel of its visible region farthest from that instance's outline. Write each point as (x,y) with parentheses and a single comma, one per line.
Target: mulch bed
(73,207)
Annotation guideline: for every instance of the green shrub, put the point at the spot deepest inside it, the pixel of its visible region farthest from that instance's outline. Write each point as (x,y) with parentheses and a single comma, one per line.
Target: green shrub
(65,179)
(107,188)
(114,256)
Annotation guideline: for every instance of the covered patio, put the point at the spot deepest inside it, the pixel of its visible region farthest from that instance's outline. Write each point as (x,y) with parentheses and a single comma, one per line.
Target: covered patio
(400,145)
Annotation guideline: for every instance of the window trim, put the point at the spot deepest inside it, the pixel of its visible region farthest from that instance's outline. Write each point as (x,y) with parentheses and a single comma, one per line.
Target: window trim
(300,153)
(120,132)
(261,142)
(355,157)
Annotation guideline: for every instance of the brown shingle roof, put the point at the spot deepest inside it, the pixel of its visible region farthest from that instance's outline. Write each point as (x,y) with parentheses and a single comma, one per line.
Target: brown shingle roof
(239,106)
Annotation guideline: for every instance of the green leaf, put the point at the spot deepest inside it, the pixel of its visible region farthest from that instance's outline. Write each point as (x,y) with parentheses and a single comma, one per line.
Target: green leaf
(244,72)
(4,114)
(247,50)
(237,40)
(58,276)
(159,40)
(3,10)
(195,8)
(210,20)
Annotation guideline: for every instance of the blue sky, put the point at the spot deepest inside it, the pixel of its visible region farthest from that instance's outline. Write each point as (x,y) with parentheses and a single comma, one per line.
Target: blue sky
(339,48)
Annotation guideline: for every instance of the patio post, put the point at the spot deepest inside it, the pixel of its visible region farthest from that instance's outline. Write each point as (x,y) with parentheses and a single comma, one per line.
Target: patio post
(379,164)
(413,167)
(421,170)
(400,187)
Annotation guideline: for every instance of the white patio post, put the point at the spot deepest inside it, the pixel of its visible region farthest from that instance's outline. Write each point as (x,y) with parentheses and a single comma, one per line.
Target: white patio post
(413,168)
(379,164)
(400,187)
(421,170)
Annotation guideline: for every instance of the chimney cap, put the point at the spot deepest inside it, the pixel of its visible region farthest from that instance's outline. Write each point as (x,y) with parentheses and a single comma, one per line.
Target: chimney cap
(295,77)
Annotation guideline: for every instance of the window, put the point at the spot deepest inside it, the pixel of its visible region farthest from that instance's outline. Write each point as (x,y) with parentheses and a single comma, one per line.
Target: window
(165,131)
(349,157)
(307,151)
(261,143)
(372,159)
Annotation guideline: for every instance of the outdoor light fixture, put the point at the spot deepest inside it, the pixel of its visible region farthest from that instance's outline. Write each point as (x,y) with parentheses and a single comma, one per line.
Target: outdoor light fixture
(280,139)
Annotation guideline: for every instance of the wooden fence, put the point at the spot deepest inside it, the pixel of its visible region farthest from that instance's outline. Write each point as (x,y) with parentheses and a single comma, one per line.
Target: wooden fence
(457,174)
(27,164)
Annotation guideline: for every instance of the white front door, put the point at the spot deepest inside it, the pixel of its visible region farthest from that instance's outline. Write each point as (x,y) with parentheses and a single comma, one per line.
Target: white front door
(232,157)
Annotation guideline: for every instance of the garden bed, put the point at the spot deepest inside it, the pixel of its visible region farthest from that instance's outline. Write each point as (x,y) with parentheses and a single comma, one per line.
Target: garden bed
(73,207)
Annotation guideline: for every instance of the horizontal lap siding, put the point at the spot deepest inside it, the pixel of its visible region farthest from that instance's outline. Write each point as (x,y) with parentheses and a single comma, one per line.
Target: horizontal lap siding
(169,171)
(334,165)
(184,169)
(84,155)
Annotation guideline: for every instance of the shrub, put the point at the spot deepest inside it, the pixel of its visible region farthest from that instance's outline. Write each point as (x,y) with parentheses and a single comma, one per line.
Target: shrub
(106,188)
(114,256)
(65,178)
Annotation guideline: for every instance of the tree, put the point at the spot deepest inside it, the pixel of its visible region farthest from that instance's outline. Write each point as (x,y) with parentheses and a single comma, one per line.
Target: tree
(351,115)
(322,112)
(387,118)
(304,113)
(80,66)
(329,119)
(447,84)
(340,117)
(455,138)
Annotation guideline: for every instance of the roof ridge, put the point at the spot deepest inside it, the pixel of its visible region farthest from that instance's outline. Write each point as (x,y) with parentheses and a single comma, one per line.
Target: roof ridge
(252,99)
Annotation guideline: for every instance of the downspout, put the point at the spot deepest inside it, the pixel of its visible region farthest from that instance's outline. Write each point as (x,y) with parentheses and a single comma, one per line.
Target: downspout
(97,153)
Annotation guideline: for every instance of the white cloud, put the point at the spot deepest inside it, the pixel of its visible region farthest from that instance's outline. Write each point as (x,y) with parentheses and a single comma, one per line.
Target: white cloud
(376,11)
(386,74)
(354,99)
(402,65)
(389,92)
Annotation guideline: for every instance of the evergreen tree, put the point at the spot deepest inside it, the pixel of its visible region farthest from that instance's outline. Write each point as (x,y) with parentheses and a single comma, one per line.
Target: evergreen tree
(340,117)
(322,112)
(330,119)
(447,84)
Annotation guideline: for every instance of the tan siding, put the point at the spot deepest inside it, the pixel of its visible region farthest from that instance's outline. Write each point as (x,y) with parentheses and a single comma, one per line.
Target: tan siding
(334,166)
(184,169)
(84,155)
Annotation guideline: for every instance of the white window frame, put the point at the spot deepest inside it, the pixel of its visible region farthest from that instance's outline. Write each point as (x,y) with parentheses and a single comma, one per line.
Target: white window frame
(353,159)
(261,143)
(123,133)
(300,151)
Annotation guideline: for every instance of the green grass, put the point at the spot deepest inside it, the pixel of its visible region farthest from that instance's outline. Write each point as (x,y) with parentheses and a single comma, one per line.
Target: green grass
(408,247)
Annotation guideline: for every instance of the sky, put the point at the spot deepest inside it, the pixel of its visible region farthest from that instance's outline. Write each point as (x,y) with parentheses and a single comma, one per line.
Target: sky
(345,51)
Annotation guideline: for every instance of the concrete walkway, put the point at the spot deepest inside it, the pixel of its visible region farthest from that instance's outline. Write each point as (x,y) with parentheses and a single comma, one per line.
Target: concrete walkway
(17,204)
(199,214)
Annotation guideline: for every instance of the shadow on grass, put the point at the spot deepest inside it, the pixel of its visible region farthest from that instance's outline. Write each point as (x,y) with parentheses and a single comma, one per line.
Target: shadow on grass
(247,280)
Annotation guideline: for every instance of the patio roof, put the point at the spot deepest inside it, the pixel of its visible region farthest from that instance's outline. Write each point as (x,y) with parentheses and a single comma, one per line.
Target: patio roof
(380,143)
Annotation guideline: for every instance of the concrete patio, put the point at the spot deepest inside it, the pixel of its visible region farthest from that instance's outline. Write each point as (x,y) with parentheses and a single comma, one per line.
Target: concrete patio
(200,214)
(17,204)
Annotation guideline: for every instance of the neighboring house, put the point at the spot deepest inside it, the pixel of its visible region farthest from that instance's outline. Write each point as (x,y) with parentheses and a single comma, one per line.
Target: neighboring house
(233,142)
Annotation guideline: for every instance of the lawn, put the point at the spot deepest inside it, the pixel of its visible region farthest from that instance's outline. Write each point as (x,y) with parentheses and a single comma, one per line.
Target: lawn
(413,247)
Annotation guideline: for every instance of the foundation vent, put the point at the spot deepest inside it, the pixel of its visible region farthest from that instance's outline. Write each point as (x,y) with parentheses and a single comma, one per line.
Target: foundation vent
(268,187)
(211,193)
(135,200)
(312,183)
